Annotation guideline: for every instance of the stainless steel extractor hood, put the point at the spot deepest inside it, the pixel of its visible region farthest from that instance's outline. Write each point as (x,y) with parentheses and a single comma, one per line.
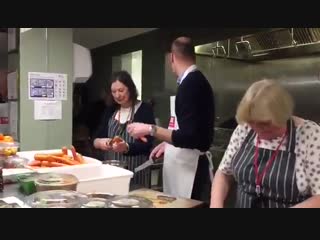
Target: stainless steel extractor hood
(277,43)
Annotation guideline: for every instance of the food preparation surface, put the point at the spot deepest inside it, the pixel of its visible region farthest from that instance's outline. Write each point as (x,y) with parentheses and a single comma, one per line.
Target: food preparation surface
(12,190)
(160,200)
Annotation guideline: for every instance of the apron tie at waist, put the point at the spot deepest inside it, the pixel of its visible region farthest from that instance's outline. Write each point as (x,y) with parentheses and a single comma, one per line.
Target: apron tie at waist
(208,154)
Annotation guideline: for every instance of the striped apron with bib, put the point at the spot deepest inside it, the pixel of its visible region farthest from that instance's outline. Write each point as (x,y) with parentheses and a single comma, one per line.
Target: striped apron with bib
(278,187)
(116,129)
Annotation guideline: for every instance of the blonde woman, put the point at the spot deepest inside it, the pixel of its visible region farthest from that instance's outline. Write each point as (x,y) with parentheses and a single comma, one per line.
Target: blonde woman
(273,157)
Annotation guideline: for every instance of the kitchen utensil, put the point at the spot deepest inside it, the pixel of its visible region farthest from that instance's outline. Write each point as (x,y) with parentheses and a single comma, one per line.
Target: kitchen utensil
(143,166)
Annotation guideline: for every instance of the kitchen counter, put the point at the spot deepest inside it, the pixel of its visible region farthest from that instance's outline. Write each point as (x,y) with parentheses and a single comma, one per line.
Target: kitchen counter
(12,190)
(178,203)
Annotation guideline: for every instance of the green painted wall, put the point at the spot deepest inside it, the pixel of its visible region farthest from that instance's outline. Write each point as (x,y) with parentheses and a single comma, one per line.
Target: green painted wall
(40,55)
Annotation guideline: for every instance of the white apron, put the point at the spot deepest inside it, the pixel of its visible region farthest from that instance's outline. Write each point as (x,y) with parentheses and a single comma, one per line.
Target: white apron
(180,164)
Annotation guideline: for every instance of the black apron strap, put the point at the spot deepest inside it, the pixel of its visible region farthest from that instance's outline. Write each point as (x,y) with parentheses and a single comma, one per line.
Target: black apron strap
(291,143)
(248,137)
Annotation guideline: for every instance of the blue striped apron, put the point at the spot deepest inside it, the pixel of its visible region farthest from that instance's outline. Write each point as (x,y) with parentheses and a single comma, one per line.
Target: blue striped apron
(278,188)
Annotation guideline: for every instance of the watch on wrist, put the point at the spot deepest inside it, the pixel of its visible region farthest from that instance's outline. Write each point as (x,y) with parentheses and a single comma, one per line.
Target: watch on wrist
(153,130)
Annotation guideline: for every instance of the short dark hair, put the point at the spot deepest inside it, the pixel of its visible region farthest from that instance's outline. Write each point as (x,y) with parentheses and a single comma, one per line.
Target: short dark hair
(184,48)
(125,78)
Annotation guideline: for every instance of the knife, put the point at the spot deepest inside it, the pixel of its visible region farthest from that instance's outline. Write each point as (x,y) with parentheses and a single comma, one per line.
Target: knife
(144,165)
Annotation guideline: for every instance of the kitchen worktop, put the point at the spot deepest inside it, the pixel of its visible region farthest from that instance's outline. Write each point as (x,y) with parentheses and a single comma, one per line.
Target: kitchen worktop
(178,203)
(13,191)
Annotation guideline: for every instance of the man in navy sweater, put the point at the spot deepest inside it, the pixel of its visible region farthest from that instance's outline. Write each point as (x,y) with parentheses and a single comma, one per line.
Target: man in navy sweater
(190,134)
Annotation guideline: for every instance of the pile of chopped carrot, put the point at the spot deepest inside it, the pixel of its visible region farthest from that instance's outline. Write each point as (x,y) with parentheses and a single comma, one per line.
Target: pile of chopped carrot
(57,159)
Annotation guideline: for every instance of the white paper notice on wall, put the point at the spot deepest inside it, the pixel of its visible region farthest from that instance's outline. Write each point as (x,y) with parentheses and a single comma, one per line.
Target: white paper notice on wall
(47,86)
(22,30)
(13,119)
(12,85)
(47,110)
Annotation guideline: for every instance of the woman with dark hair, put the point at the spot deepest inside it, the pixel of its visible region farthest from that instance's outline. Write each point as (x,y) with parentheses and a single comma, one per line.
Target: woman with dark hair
(127,108)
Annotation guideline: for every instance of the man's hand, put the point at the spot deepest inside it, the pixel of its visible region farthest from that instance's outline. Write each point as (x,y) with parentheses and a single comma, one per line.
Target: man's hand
(158,151)
(138,130)
(120,147)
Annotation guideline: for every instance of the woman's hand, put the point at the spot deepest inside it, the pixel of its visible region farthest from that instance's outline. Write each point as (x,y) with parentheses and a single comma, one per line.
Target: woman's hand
(121,147)
(102,144)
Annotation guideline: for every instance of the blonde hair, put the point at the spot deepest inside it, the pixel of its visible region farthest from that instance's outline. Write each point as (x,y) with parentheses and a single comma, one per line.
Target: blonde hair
(265,100)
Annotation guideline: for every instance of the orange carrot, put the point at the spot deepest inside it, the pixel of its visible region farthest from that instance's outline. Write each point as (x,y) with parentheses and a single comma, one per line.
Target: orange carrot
(74,154)
(58,154)
(35,163)
(81,159)
(64,160)
(56,164)
(64,151)
(45,164)
(41,157)
(67,157)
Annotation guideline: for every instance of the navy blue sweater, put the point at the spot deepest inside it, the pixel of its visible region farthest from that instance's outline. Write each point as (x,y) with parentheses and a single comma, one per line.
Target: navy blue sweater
(144,114)
(195,112)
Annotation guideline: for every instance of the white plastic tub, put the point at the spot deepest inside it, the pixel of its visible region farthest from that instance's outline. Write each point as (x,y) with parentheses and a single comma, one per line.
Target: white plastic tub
(104,178)
(90,162)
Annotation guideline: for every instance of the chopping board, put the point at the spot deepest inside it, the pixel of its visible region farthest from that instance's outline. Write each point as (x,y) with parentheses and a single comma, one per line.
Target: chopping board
(160,202)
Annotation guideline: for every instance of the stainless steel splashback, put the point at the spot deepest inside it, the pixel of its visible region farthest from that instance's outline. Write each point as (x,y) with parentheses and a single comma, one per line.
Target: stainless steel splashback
(274,44)
(230,79)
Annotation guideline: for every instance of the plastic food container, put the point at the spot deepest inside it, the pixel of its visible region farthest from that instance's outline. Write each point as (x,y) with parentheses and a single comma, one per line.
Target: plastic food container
(116,163)
(89,162)
(95,203)
(9,148)
(98,200)
(129,202)
(57,199)
(106,196)
(103,178)
(15,162)
(56,181)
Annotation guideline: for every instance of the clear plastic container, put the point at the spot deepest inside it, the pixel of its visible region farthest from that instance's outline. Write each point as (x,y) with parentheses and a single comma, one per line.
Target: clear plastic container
(56,181)
(57,199)
(9,148)
(129,202)
(116,163)
(95,203)
(15,162)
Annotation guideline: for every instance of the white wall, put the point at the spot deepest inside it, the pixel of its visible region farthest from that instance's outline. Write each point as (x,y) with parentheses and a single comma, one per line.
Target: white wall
(136,71)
